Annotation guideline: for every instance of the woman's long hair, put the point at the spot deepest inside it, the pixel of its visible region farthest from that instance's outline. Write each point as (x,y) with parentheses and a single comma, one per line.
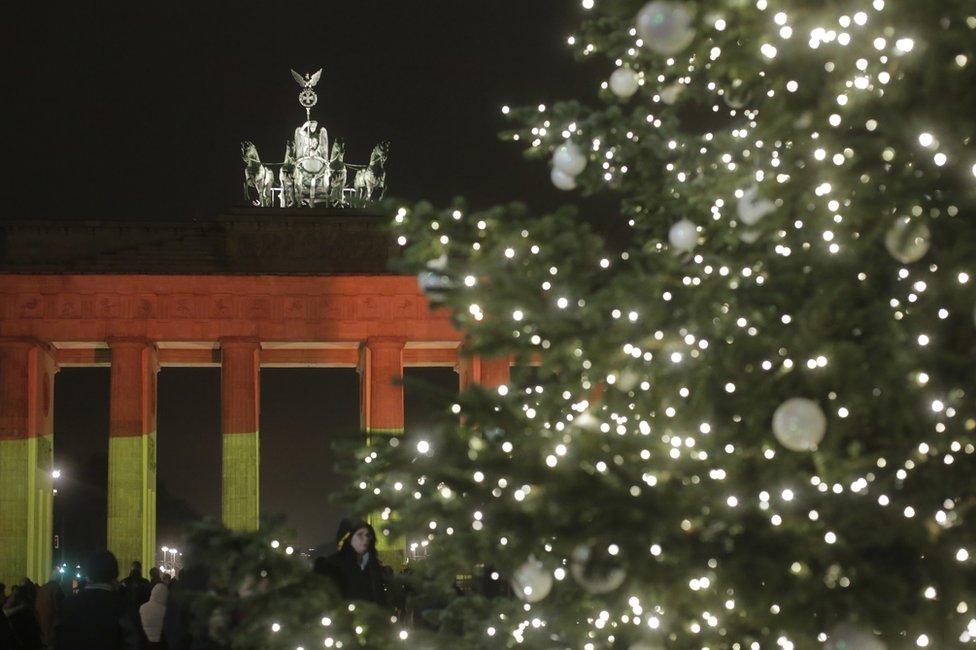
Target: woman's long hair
(348,528)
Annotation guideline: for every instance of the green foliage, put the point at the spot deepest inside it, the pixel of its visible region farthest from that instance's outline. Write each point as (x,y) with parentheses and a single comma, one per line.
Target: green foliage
(660,371)
(247,591)
(636,460)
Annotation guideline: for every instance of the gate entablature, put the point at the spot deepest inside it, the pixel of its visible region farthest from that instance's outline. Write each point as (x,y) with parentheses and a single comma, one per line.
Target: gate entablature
(247,290)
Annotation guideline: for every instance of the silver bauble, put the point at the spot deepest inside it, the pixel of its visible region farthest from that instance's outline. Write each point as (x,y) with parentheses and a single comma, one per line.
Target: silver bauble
(908,241)
(665,26)
(597,575)
(799,424)
(628,380)
(749,236)
(569,158)
(587,420)
(669,94)
(683,236)
(531,581)
(852,637)
(624,82)
(562,180)
(751,208)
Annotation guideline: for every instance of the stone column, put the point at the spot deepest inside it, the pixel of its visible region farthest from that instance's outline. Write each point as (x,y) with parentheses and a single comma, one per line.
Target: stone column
(240,408)
(27,369)
(381,416)
(381,388)
(132,453)
(495,372)
(487,372)
(468,369)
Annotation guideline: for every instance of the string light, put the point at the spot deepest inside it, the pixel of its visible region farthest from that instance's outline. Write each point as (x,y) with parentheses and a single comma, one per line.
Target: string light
(816,223)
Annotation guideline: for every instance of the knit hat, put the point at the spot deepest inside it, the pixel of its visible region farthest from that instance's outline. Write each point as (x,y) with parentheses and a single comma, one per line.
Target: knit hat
(348,527)
(103,567)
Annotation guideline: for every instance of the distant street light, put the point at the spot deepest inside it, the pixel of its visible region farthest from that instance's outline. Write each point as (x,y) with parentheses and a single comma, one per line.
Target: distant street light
(57,539)
(168,565)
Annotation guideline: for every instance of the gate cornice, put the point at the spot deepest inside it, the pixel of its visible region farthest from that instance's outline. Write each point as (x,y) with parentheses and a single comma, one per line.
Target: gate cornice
(68,307)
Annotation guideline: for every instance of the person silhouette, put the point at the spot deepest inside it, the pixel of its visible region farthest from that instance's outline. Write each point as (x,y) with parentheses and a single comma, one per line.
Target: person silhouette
(355,568)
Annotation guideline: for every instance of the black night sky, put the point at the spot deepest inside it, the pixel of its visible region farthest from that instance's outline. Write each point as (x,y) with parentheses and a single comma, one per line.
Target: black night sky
(137,111)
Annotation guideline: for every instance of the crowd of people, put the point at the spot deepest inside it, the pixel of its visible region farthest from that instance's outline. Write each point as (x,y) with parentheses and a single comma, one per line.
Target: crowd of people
(105,613)
(99,612)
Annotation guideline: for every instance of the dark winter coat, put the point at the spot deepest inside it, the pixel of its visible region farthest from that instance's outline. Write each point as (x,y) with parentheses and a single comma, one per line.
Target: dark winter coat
(92,619)
(369,583)
(48,607)
(7,639)
(136,590)
(23,623)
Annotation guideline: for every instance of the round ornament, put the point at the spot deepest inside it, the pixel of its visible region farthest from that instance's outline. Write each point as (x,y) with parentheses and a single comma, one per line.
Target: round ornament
(665,26)
(562,180)
(531,581)
(587,420)
(908,241)
(624,82)
(683,235)
(737,96)
(749,236)
(751,208)
(597,572)
(628,380)
(799,424)
(569,158)
(852,637)
(669,94)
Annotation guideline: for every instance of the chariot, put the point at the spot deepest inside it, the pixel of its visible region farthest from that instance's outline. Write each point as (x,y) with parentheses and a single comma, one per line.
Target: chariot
(310,173)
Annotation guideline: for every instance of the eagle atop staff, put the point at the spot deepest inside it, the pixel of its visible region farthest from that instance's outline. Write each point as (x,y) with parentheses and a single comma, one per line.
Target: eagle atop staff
(307,98)
(309,80)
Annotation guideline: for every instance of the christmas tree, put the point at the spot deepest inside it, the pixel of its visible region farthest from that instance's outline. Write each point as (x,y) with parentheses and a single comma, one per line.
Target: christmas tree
(751,423)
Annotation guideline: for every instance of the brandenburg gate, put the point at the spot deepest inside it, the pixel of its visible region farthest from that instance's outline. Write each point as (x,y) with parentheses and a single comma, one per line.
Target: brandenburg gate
(252,289)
